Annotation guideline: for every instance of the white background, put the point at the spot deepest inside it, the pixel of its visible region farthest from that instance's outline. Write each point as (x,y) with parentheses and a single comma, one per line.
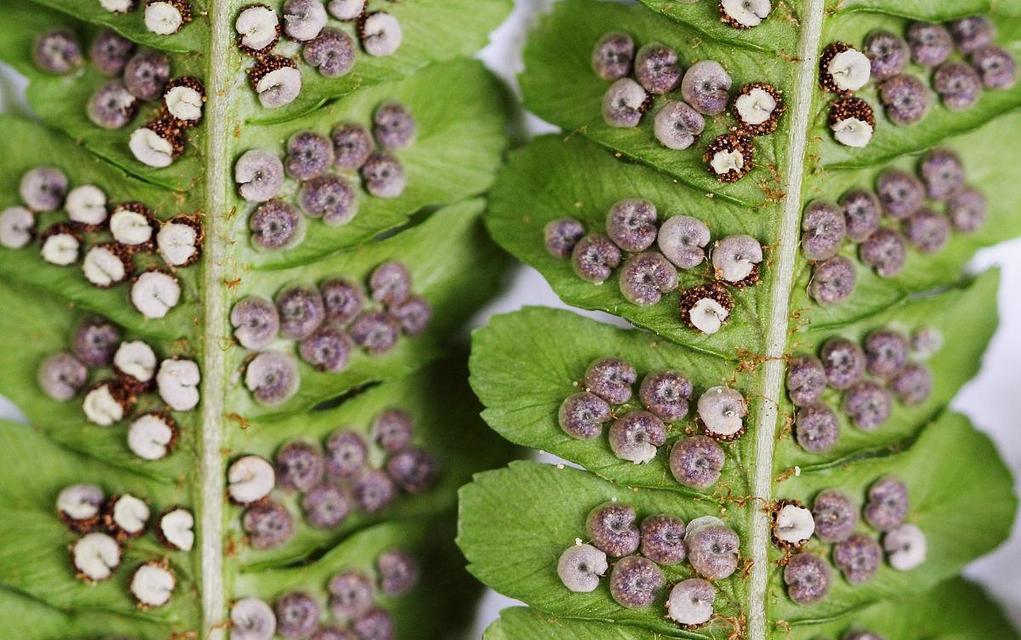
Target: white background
(992,400)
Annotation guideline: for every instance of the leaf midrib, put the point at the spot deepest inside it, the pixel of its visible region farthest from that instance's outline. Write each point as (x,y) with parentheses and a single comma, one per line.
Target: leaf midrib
(779,319)
(214,313)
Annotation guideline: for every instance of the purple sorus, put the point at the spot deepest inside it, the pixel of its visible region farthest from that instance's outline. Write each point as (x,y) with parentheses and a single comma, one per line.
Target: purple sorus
(967,210)
(624,104)
(905,98)
(595,257)
(886,353)
(259,175)
(807,578)
(57,51)
(561,236)
(146,75)
(297,615)
(912,384)
(414,470)
(299,466)
(390,283)
(350,595)
(110,52)
(325,506)
(308,155)
(884,252)
(713,550)
(268,525)
(833,280)
(43,189)
(383,176)
(112,106)
(613,55)
(61,376)
(677,125)
(346,454)
(326,349)
(958,85)
(972,33)
(862,214)
(392,430)
(665,394)
(635,582)
(631,224)
(414,314)
(611,379)
(275,225)
(868,405)
(887,505)
(330,197)
(835,516)
(943,174)
(645,277)
(816,428)
(927,230)
(888,52)
(393,125)
(373,491)
(582,415)
(95,341)
(377,624)
(730,157)
(637,436)
(823,230)
(352,146)
(697,462)
(758,108)
(706,86)
(343,300)
(612,529)
(398,572)
(931,44)
(858,557)
(375,331)
(900,193)
(806,380)
(682,239)
(996,66)
(657,68)
(843,361)
(736,260)
(304,19)
(663,540)
(272,377)
(301,311)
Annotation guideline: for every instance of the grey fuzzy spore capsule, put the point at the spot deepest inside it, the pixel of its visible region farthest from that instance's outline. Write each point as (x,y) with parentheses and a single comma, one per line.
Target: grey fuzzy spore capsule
(394,125)
(835,516)
(392,430)
(697,461)
(887,505)
(631,224)
(595,257)
(706,87)
(255,321)
(624,103)
(297,615)
(561,236)
(972,33)
(943,174)
(665,394)
(677,125)
(806,380)
(301,311)
(868,405)
(350,595)
(843,361)
(645,277)
(663,539)
(376,331)
(346,454)
(967,210)
(884,252)
(414,470)
(398,572)
(900,193)
(373,491)
(635,582)
(657,68)
(636,437)
(582,415)
(326,349)
(612,529)
(858,558)
(308,155)
(95,341)
(931,44)
(146,74)
(343,300)
(833,280)
(57,51)
(905,98)
(268,525)
(713,551)
(958,85)
(886,352)
(807,578)
(299,466)
(325,506)
(927,230)
(275,225)
(888,52)
(613,55)
(996,66)
(816,428)
(912,384)
(862,214)
(352,146)
(823,230)
(611,379)
(580,566)
(110,52)
(383,176)
(682,240)
(259,175)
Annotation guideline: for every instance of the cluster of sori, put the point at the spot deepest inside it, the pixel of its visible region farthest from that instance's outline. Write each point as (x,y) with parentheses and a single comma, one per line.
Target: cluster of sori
(136,370)
(705,90)
(833,519)
(867,400)
(639,551)
(959,82)
(311,157)
(903,198)
(334,484)
(107,525)
(844,70)
(637,432)
(632,226)
(144,77)
(111,240)
(356,614)
(325,321)
(331,50)
(162,17)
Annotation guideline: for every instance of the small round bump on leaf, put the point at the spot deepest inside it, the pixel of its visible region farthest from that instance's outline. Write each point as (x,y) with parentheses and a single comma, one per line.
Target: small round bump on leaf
(43,189)
(868,405)
(393,125)
(259,175)
(383,176)
(663,540)
(299,466)
(885,252)
(906,547)
(276,80)
(706,308)
(665,394)
(326,349)
(635,582)
(154,293)
(807,578)
(858,558)
(645,277)
(580,566)
(250,479)
(730,157)
(301,311)
(843,361)
(706,86)
(852,121)
(268,525)
(252,619)
(152,435)
(255,321)
(110,52)
(276,225)
(713,551)
(325,506)
(631,224)
(657,68)
(996,66)
(57,51)
(862,214)
(332,52)
(758,108)
(721,411)
(80,505)
(272,377)
(958,85)
(682,239)
(637,436)
(823,230)
(886,352)
(888,52)
(304,19)
(95,556)
(972,33)
(373,491)
(329,197)
(61,376)
(86,205)
(843,69)
(793,525)
(612,529)
(376,331)
(146,74)
(736,260)
(912,384)
(346,454)
(624,104)
(346,9)
(350,595)
(905,98)
(816,428)
(613,55)
(380,34)
(60,245)
(806,380)
(158,144)
(106,403)
(887,505)
(697,462)
(561,236)
(17,227)
(833,280)
(258,29)
(398,572)
(582,415)
(175,529)
(744,14)
(95,342)
(967,210)
(931,44)
(595,257)
(611,379)
(414,470)
(677,125)
(691,602)
(153,584)
(297,615)
(835,516)
(943,174)
(167,17)
(352,146)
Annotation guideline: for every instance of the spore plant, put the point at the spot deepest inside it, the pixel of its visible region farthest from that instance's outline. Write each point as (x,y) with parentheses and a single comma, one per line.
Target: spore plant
(787,227)
(236,242)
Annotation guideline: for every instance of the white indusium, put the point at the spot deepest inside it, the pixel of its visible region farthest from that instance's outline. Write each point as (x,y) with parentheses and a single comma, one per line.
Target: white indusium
(250,479)
(95,556)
